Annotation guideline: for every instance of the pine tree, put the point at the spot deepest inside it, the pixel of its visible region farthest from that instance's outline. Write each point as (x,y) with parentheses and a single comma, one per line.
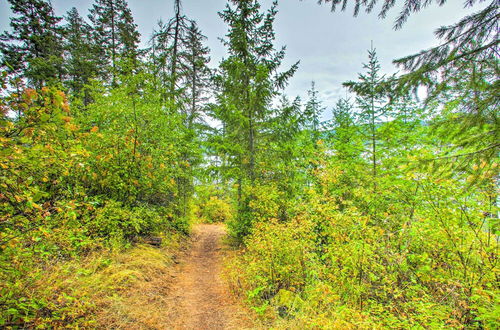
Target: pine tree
(471,42)
(286,143)
(409,7)
(115,32)
(159,56)
(80,53)
(312,113)
(178,25)
(344,136)
(33,49)
(249,76)
(473,39)
(247,81)
(128,34)
(170,50)
(180,62)
(192,74)
(197,73)
(374,108)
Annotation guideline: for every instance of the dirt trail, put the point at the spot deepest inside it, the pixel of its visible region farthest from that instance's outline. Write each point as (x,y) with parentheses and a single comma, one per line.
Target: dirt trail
(199,298)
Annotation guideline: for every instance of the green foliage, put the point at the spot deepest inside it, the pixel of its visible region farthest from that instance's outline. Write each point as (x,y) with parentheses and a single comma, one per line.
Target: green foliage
(247,81)
(71,185)
(430,262)
(400,246)
(81,54)
(386,216)
(116,166)
(216,209)
(461,72)
(119,224)
(117,38)
(33,48)
(211,205)
(373,103)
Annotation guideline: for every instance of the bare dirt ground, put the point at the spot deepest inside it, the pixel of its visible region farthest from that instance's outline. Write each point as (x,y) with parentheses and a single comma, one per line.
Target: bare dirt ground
(188,294)
(198,297)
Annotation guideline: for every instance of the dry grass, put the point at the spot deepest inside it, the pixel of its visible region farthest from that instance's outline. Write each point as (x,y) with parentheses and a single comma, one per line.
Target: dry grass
(143,288)
(140,280)
(121,290)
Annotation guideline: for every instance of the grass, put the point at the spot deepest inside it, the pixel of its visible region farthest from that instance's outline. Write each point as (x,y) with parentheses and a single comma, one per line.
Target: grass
(105,289)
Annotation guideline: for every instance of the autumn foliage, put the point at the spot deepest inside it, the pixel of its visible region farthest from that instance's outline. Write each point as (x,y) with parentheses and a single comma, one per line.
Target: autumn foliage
(71,186)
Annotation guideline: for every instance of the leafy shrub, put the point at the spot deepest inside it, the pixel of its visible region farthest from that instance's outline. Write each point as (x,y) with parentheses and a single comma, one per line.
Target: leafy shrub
(216,210)
(264,202)
(71,184)
(116,222)
(344,264)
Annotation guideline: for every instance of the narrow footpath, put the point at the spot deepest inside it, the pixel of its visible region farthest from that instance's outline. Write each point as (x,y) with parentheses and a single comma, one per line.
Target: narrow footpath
(199,298)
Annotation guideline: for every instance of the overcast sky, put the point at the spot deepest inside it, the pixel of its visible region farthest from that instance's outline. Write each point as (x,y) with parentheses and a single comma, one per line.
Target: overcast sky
(331,47)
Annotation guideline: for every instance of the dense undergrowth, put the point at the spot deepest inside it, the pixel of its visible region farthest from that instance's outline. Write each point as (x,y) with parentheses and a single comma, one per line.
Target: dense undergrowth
(76,185)
(386,215)
(212,206)
(421,252)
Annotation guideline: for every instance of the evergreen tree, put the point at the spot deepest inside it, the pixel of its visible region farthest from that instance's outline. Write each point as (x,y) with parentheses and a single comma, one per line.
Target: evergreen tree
(373,104)
(159,58)
(33,48)
(180,61)
(116,35)
(180,64)
(179,26)
(409,7)
(247,81)
(191,56)
(312,113)
(473,39)
(197,73)
(311,130)
(192,75)
(468,50)
(286,144)
(80,53)
(468,117)
(169,50)
(344,136)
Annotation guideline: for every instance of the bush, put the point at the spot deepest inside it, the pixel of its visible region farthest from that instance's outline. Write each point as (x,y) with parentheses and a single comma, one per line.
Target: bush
(116,222)
(345,264)
(216,209)
(72,185)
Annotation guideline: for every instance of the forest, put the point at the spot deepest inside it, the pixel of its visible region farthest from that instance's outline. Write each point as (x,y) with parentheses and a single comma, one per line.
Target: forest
(386,215)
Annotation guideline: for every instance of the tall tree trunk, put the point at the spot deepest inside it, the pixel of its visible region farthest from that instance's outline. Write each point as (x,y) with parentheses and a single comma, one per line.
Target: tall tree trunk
(113,45)
(173,72)
(251,146)
(374,143)
(193,95)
